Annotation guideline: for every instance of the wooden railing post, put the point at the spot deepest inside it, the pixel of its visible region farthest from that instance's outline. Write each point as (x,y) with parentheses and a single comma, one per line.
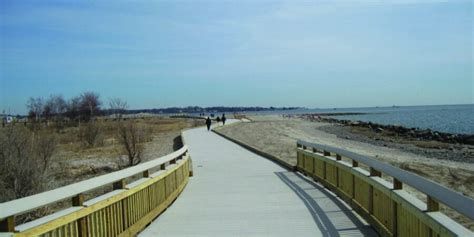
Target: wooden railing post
(181,156)
(121,184)
(397,185)
(338,157)
(325,153)
(376,173)
(355,163)
(324,170)
(190,167)
(432,204)
(298,158)
(303,165)
(8,224)
(78,201)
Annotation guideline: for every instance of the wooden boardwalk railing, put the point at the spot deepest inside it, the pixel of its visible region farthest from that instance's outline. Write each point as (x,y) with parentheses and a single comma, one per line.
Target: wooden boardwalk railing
(123,212)
(389,209)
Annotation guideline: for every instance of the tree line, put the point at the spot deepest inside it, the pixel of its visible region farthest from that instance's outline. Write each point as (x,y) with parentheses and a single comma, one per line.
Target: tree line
(82,107)
(89,104)
(213,109)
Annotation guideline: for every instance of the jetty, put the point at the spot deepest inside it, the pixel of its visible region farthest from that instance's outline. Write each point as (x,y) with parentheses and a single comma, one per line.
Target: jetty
(216,186)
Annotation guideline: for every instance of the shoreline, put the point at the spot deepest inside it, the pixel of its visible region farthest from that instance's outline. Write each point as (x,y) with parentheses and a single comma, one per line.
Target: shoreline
(426,134)
(423,142)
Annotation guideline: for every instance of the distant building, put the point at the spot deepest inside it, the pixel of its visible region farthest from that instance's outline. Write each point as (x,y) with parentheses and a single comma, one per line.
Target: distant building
(8,119)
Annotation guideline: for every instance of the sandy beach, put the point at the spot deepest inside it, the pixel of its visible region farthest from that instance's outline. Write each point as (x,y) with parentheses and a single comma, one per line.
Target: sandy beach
(277,135)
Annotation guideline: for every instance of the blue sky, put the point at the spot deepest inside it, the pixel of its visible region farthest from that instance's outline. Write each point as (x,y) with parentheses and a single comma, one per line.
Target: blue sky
(238,53)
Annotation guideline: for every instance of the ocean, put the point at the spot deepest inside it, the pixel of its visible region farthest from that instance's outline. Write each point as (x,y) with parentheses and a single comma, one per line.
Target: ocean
(442,118)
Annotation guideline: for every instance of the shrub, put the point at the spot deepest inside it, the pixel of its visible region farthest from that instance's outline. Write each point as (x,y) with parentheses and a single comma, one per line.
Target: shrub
(90,134)
(131,138)
(24,156)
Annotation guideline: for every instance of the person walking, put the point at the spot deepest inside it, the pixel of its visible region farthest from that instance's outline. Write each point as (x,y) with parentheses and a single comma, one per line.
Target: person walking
(223,119)
(218,120)
(208,123)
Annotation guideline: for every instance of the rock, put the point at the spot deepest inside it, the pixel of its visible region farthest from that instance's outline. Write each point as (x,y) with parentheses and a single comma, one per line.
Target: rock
(379,129)
(426,133)
(347,137)
(468,139)
(401,130)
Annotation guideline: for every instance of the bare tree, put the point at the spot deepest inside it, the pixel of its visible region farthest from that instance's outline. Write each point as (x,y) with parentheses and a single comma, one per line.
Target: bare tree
(35,108)
(47,110)
(118,107)
(73,107)
(90,105)
(55,107)
(131,138)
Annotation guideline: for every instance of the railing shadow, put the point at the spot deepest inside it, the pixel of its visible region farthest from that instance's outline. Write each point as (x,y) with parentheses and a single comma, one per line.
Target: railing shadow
(332,216)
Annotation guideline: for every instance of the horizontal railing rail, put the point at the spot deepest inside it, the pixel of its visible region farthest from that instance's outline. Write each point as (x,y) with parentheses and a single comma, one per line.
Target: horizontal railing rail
(391,210)
(450,198)
(122,212)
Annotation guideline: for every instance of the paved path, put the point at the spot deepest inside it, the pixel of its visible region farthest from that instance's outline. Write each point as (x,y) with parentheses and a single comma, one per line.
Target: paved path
(237,193)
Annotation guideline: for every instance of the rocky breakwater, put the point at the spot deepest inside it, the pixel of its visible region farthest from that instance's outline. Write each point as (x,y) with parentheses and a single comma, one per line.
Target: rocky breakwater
(413,133)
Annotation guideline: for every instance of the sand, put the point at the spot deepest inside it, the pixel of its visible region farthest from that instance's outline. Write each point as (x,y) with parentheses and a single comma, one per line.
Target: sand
(277,135)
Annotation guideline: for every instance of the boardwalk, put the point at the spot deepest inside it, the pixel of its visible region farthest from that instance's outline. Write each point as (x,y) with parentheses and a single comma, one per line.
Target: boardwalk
(237,193)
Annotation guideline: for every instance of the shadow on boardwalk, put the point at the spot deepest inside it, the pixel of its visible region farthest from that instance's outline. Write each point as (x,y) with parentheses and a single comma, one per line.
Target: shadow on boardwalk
(331,215)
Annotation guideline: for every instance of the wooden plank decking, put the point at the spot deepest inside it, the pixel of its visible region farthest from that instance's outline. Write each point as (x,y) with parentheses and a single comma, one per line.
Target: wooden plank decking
(237,193)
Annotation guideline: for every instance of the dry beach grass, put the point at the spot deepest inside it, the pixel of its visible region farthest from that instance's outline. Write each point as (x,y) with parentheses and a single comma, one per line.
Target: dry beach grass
(73,160)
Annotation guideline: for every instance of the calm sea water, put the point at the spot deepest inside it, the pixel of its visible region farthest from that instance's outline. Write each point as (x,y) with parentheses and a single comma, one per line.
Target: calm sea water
(443,118)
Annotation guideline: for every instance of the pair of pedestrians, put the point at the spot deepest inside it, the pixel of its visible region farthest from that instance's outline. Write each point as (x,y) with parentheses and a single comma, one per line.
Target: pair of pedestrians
(208,121)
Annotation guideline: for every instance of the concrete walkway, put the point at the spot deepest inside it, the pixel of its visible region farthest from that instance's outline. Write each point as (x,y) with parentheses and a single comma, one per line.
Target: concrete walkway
(237,193)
